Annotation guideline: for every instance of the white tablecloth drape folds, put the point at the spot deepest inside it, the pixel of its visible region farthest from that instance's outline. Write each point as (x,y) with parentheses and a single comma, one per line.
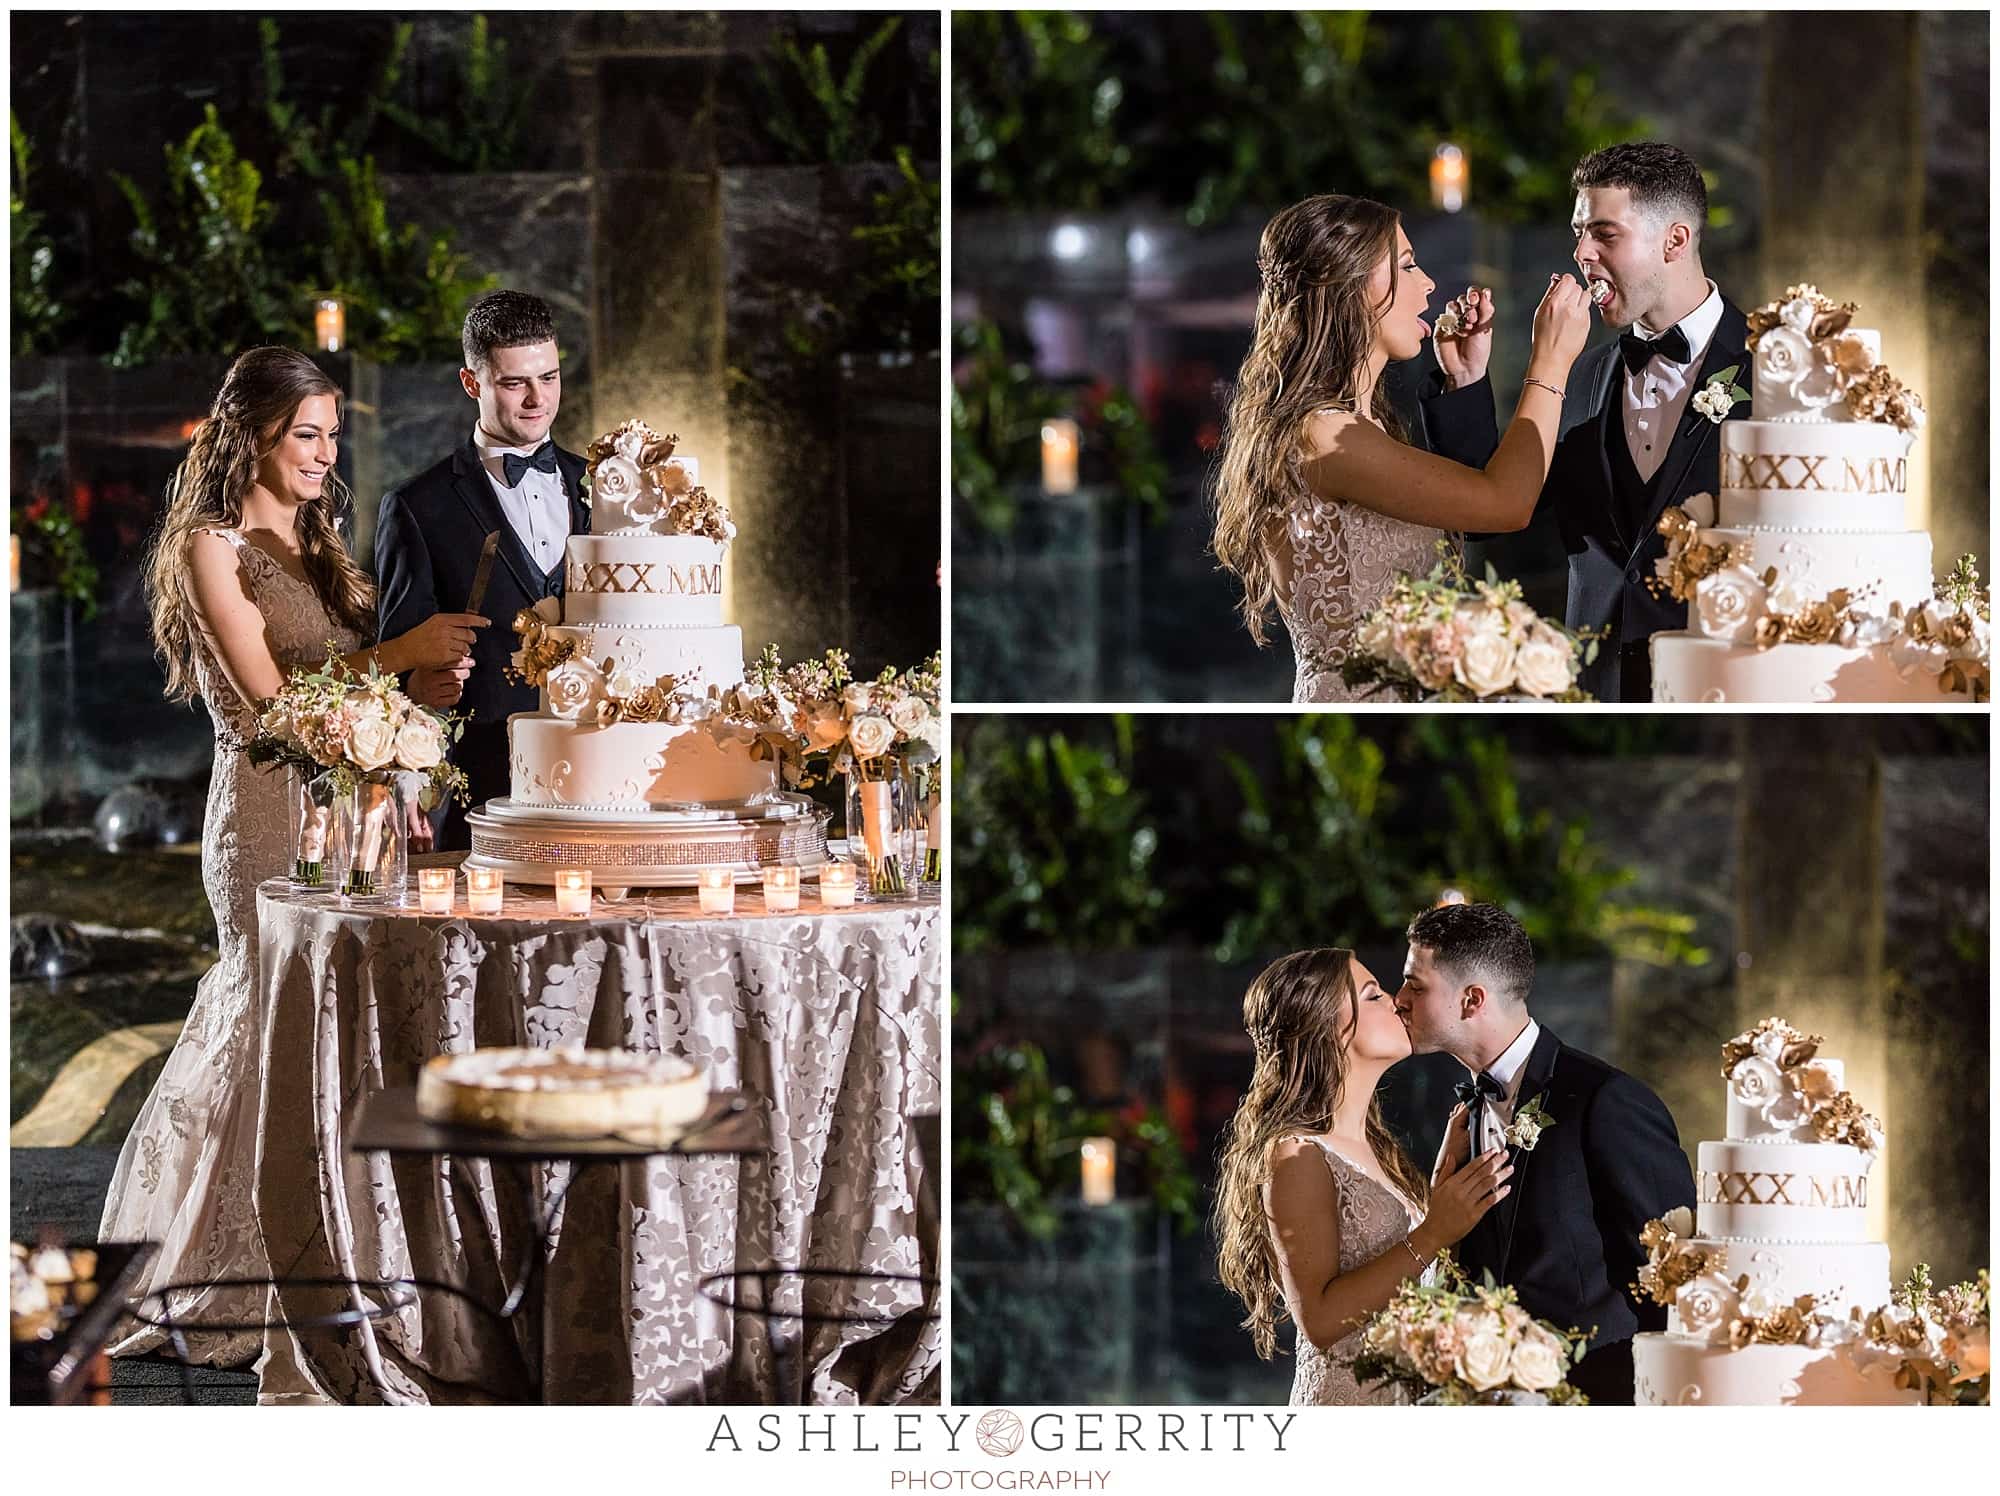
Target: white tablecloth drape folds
(829,1019)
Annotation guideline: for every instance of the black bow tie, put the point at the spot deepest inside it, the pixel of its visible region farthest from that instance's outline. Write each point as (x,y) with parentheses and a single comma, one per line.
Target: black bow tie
(1671,345)
(514,465)
(1473,1093)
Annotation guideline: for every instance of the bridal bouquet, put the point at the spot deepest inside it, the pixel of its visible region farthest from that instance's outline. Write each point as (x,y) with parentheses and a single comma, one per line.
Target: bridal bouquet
(1445,637)
(1455,1343)
(335,720)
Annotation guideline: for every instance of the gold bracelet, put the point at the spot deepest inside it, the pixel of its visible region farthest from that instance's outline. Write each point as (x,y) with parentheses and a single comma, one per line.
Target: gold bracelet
(1421,1264)
(1545,385)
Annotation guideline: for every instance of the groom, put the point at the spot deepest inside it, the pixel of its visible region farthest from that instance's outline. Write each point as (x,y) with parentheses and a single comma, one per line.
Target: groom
(1607,1160)
(508,479)
(1631,441)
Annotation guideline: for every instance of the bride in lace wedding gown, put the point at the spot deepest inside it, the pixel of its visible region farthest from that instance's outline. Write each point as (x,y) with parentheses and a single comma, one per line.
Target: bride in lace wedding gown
(1320,1214)
(1320,502)
(247,579)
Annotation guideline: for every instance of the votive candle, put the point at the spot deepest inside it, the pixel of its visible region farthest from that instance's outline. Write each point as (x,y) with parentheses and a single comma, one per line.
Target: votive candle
(1100,1171)
(573,890)
(434,888)
(13,563)
(483,887)
(1060,445)
(781,890)
(716,890)
(330,325)
(836,885)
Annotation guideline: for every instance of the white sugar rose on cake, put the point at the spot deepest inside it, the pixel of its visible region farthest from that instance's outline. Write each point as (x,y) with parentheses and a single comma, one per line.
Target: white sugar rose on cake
(1803,578)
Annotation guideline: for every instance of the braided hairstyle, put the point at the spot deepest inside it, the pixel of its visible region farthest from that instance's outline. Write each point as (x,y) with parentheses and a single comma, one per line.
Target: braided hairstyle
(1300,1012)
(1315,329)
(260,395)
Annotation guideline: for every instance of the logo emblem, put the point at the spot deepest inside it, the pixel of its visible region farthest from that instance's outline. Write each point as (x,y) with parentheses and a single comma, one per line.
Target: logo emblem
(999,1432)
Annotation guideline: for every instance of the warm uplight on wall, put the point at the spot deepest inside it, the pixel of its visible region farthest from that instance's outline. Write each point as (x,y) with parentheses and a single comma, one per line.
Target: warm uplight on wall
(1450,177)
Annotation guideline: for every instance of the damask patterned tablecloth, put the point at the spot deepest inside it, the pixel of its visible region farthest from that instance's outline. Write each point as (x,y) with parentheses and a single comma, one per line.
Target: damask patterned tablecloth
(829,1017)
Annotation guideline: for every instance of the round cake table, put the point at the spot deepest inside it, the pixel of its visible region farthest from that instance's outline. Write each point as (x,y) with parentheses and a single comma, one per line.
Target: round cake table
(828,1020)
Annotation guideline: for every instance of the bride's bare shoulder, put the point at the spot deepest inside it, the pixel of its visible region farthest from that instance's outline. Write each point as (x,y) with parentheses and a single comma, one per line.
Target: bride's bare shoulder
(1330,432)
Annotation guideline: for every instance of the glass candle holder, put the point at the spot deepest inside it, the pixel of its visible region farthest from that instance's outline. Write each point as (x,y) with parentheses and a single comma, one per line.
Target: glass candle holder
(836,885)
(716,890)
(781,890)
(483,887)
(1100,1171)
(434,888)
(573,890)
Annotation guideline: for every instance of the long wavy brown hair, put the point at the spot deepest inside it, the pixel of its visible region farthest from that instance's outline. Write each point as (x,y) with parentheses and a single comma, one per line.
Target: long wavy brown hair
(1301,1013)
(260,395)
(1315,326)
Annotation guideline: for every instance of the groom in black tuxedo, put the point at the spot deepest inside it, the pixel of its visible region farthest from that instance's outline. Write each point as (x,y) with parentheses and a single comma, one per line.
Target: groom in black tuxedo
(1608,1160)
(1631,442)
(508,477)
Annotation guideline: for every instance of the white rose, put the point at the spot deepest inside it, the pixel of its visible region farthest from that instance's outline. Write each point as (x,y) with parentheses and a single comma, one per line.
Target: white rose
(1483,1361)
(1704,1303)
(1798,314)
(1755,1082)
(824,728)
(858,697)
(1536,1366)
(1771,1043)
(1376,635)
(1542,668)
(1783,355)
(576,688)
(277,722)
(614,486)
(931,733)
(871,735)
(1789,1109)
(1700,508)
(1713,401)
(1757,1301)
(1728,604)
(909,714)
(1871,629)
(372,743)
(419,744)
(629,444)
(647,504)
(1524,1133)
(1485,665)
(1679,1220)
(624,682)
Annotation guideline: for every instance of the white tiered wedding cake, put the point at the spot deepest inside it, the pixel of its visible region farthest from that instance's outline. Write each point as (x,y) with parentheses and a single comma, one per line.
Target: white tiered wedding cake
(1803,579)
(627,768)
(1761,1283)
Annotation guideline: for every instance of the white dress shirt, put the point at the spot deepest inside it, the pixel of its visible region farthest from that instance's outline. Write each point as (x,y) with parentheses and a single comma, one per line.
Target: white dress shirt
(1509,1070)
(537,511)
(1657,396)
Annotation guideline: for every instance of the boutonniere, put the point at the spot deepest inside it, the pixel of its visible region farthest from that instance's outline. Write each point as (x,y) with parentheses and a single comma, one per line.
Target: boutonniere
(1531,1119)
(1721,395)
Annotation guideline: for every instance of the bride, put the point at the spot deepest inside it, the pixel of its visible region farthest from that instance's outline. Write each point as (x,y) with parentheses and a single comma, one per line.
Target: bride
(1315,1201)
(247,578)
(1320,501)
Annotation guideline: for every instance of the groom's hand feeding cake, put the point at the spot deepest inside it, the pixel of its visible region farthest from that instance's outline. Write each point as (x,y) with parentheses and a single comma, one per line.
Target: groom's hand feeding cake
(1758,1284)
(1802,578)
(629,767)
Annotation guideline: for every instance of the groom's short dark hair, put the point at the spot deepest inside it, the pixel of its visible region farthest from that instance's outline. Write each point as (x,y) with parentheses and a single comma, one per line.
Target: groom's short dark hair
(1662,178)
(504,319)
(1478,941)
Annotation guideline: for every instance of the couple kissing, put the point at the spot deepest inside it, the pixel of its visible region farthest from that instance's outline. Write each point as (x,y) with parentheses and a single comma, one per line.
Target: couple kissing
(1552,1161)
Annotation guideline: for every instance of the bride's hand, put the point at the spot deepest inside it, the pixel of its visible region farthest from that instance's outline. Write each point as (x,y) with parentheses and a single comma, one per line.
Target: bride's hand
(1562,326)
(1463,356)
(1459,1202)
(1457,1147)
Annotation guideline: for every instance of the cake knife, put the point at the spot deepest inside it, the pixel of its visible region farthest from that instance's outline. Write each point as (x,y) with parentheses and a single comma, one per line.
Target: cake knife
(483,573)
